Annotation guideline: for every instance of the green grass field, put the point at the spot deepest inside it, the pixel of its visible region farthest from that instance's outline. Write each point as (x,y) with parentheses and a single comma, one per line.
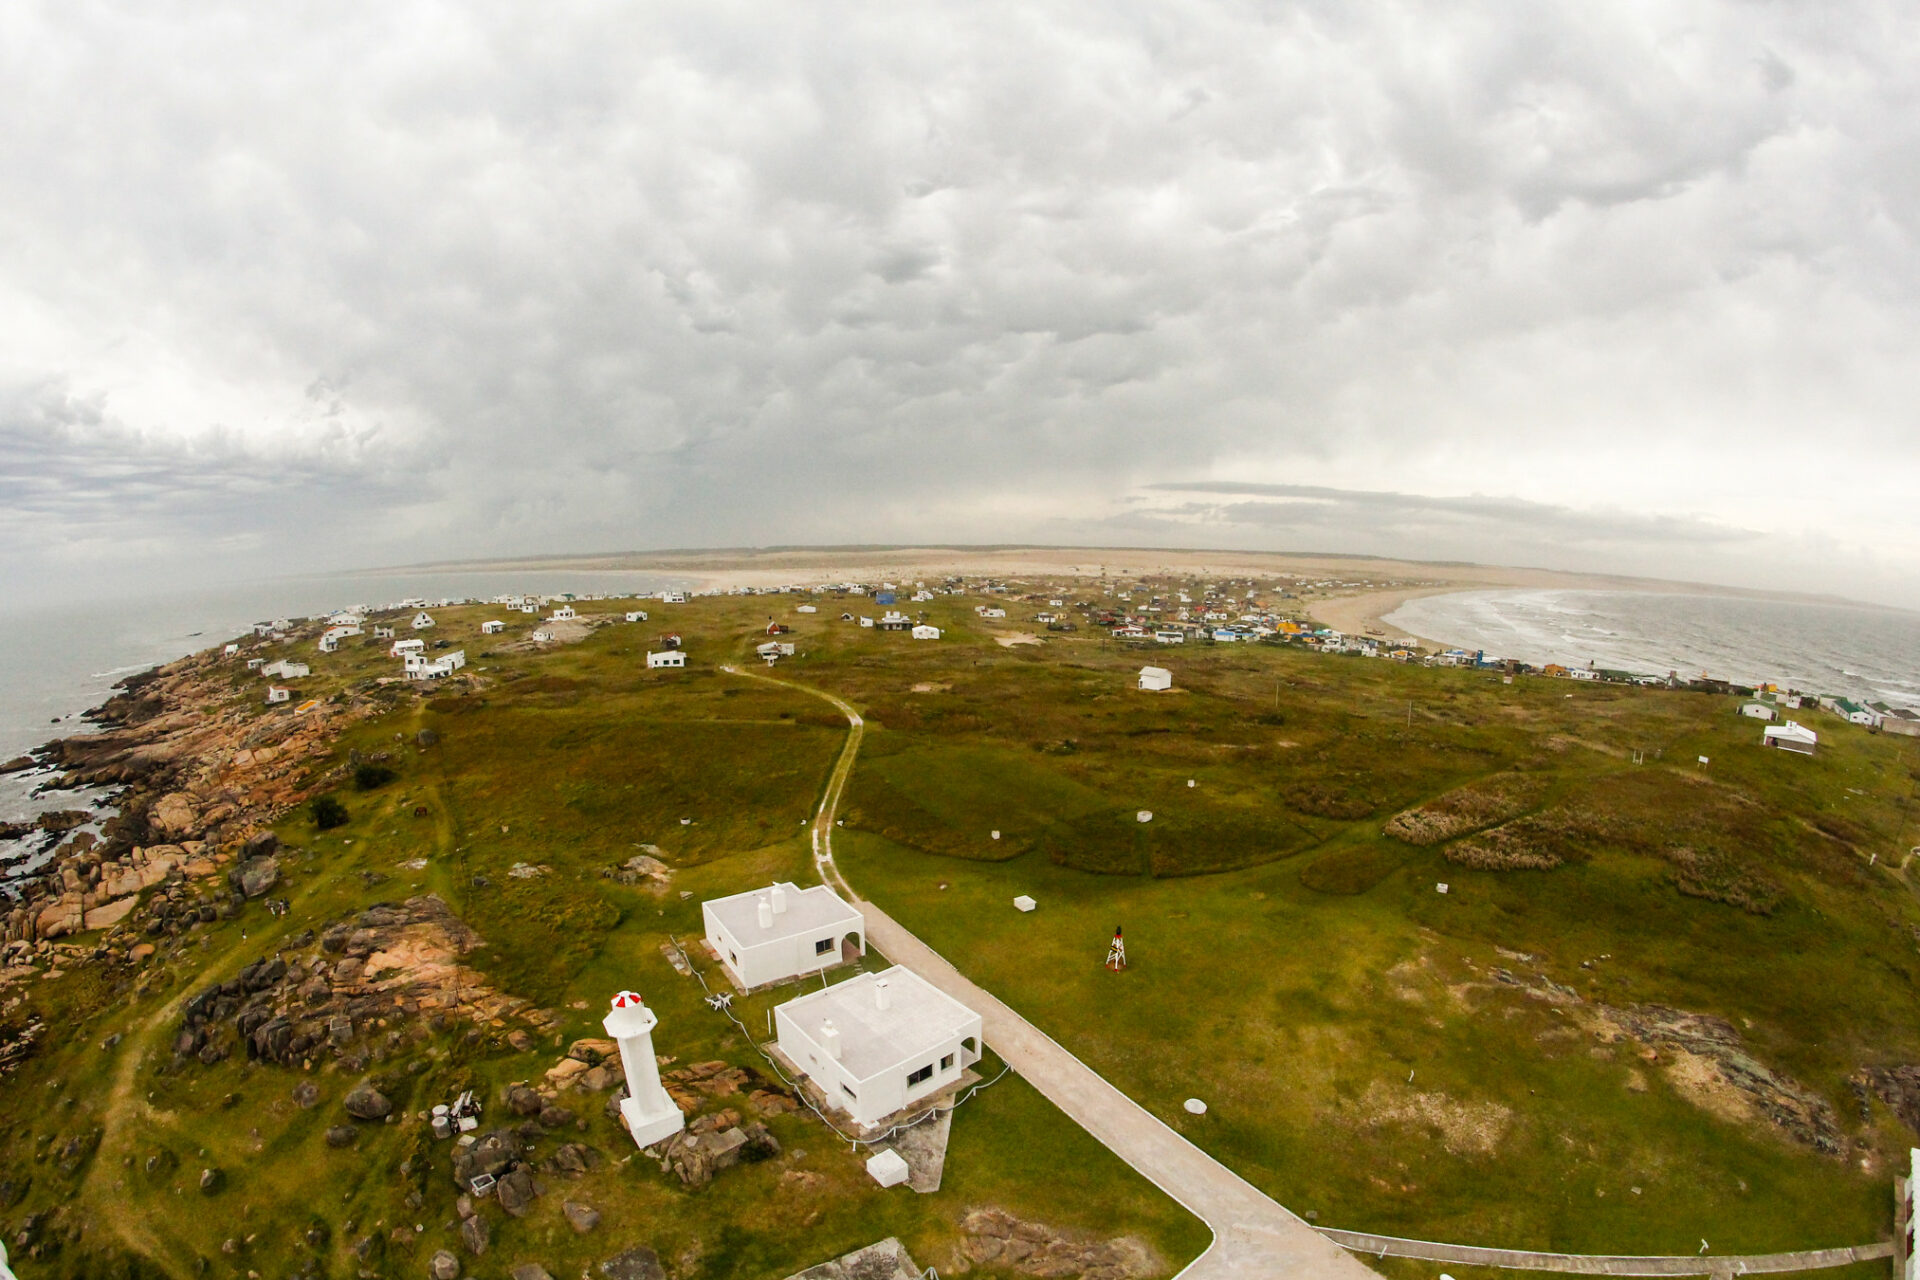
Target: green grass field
(1291,963)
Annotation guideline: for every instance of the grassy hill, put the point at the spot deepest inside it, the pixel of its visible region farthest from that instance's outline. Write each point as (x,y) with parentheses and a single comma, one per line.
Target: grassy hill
(1657,1000)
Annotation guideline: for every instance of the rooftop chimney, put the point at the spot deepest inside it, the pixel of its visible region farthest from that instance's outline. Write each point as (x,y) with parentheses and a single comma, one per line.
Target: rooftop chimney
(766,914)
(779,900)
(830,1038)
(882,998)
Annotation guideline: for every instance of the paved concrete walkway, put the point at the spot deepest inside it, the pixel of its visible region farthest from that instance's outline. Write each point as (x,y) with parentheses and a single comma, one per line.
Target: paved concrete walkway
(1603,1265)
(1252,1236)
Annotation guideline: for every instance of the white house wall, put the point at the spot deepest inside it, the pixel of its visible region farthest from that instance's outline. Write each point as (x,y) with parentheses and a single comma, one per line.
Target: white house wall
(886,1091)
(777,959)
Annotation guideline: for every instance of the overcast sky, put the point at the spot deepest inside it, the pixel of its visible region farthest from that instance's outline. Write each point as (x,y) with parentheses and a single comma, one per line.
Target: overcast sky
(1591,286)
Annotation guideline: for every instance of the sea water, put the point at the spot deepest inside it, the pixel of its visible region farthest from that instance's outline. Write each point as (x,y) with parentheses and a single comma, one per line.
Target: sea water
(1855,651)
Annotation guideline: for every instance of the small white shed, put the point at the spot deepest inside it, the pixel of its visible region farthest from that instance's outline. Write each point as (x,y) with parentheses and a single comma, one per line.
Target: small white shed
(666,658)
(926,632)
(1758,710)
(277,694)
(1156,679)
(1791,736)
(422,620)
(492,628)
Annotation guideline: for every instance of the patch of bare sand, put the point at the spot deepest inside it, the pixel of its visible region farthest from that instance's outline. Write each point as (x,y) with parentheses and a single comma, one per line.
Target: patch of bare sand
(1018,637)
(565,631)
(1464,1128)
(724,569)
(1698,1080)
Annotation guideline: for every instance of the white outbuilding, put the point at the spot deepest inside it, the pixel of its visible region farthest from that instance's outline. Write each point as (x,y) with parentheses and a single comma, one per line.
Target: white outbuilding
(926,632)
(666,658)
(492,627)
(420,667)
(783,931)
(1758,710)
(286,669)
(276,693)
(879,1042)
(422,620)
(1156,679)
(1791,736)
(330,638)
(636,615)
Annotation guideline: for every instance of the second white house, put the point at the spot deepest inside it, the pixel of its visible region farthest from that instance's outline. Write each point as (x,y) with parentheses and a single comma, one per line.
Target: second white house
(772,934)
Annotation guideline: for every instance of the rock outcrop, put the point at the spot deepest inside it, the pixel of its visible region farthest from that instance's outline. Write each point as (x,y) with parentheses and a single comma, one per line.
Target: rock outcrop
(374,972)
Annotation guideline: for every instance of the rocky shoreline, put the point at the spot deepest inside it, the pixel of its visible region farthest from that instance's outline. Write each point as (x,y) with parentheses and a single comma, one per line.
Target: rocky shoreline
(197,769)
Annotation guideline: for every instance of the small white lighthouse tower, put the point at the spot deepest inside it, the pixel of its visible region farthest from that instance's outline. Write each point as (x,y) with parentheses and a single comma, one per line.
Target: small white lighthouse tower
(650,1114)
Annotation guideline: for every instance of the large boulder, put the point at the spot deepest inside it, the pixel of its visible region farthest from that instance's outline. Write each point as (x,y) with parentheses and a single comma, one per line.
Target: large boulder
(443,1266)
(516,1191)
(477,1234)
(255,876)
(581,1217)
(367,1103)
(173,815)
(637,1263)
(491,1153)
(530,1271)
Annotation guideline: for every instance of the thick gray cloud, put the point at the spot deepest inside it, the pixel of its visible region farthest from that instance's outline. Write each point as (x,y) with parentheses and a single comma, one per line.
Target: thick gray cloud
(308,287)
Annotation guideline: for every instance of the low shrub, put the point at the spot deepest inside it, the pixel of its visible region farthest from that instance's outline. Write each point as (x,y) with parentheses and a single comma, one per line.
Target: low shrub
(1351,871)
(329,813)
(371,777)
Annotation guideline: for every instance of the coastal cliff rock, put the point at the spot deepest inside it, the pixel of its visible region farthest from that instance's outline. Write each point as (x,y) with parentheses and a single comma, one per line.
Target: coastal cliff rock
(358,988)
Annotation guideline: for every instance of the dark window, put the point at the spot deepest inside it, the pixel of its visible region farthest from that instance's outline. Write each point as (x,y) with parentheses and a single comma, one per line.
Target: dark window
(946,1063)
(850,1093)
(924,1073)
(823,946)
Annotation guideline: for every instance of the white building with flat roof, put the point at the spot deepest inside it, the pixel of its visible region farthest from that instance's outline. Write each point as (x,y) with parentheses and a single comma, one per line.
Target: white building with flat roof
(1791,736)
(782,931)
(880,1042)
(1156,679)
(666,658)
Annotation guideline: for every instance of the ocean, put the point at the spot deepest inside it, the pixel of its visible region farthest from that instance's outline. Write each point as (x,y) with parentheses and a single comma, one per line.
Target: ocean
(1856,651)
(57,662)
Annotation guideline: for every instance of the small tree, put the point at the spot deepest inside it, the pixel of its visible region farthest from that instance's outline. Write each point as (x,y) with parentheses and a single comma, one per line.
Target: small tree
(368,777)
(328,813)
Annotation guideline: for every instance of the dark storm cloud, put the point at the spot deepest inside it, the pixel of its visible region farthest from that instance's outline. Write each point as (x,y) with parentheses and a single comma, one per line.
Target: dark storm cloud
(408,280)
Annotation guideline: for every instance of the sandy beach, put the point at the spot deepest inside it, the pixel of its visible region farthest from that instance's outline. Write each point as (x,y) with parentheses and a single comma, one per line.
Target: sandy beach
(1384,584)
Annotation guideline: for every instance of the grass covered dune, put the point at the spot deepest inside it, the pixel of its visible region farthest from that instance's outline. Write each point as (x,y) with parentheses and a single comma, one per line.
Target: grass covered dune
(1657,1002)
